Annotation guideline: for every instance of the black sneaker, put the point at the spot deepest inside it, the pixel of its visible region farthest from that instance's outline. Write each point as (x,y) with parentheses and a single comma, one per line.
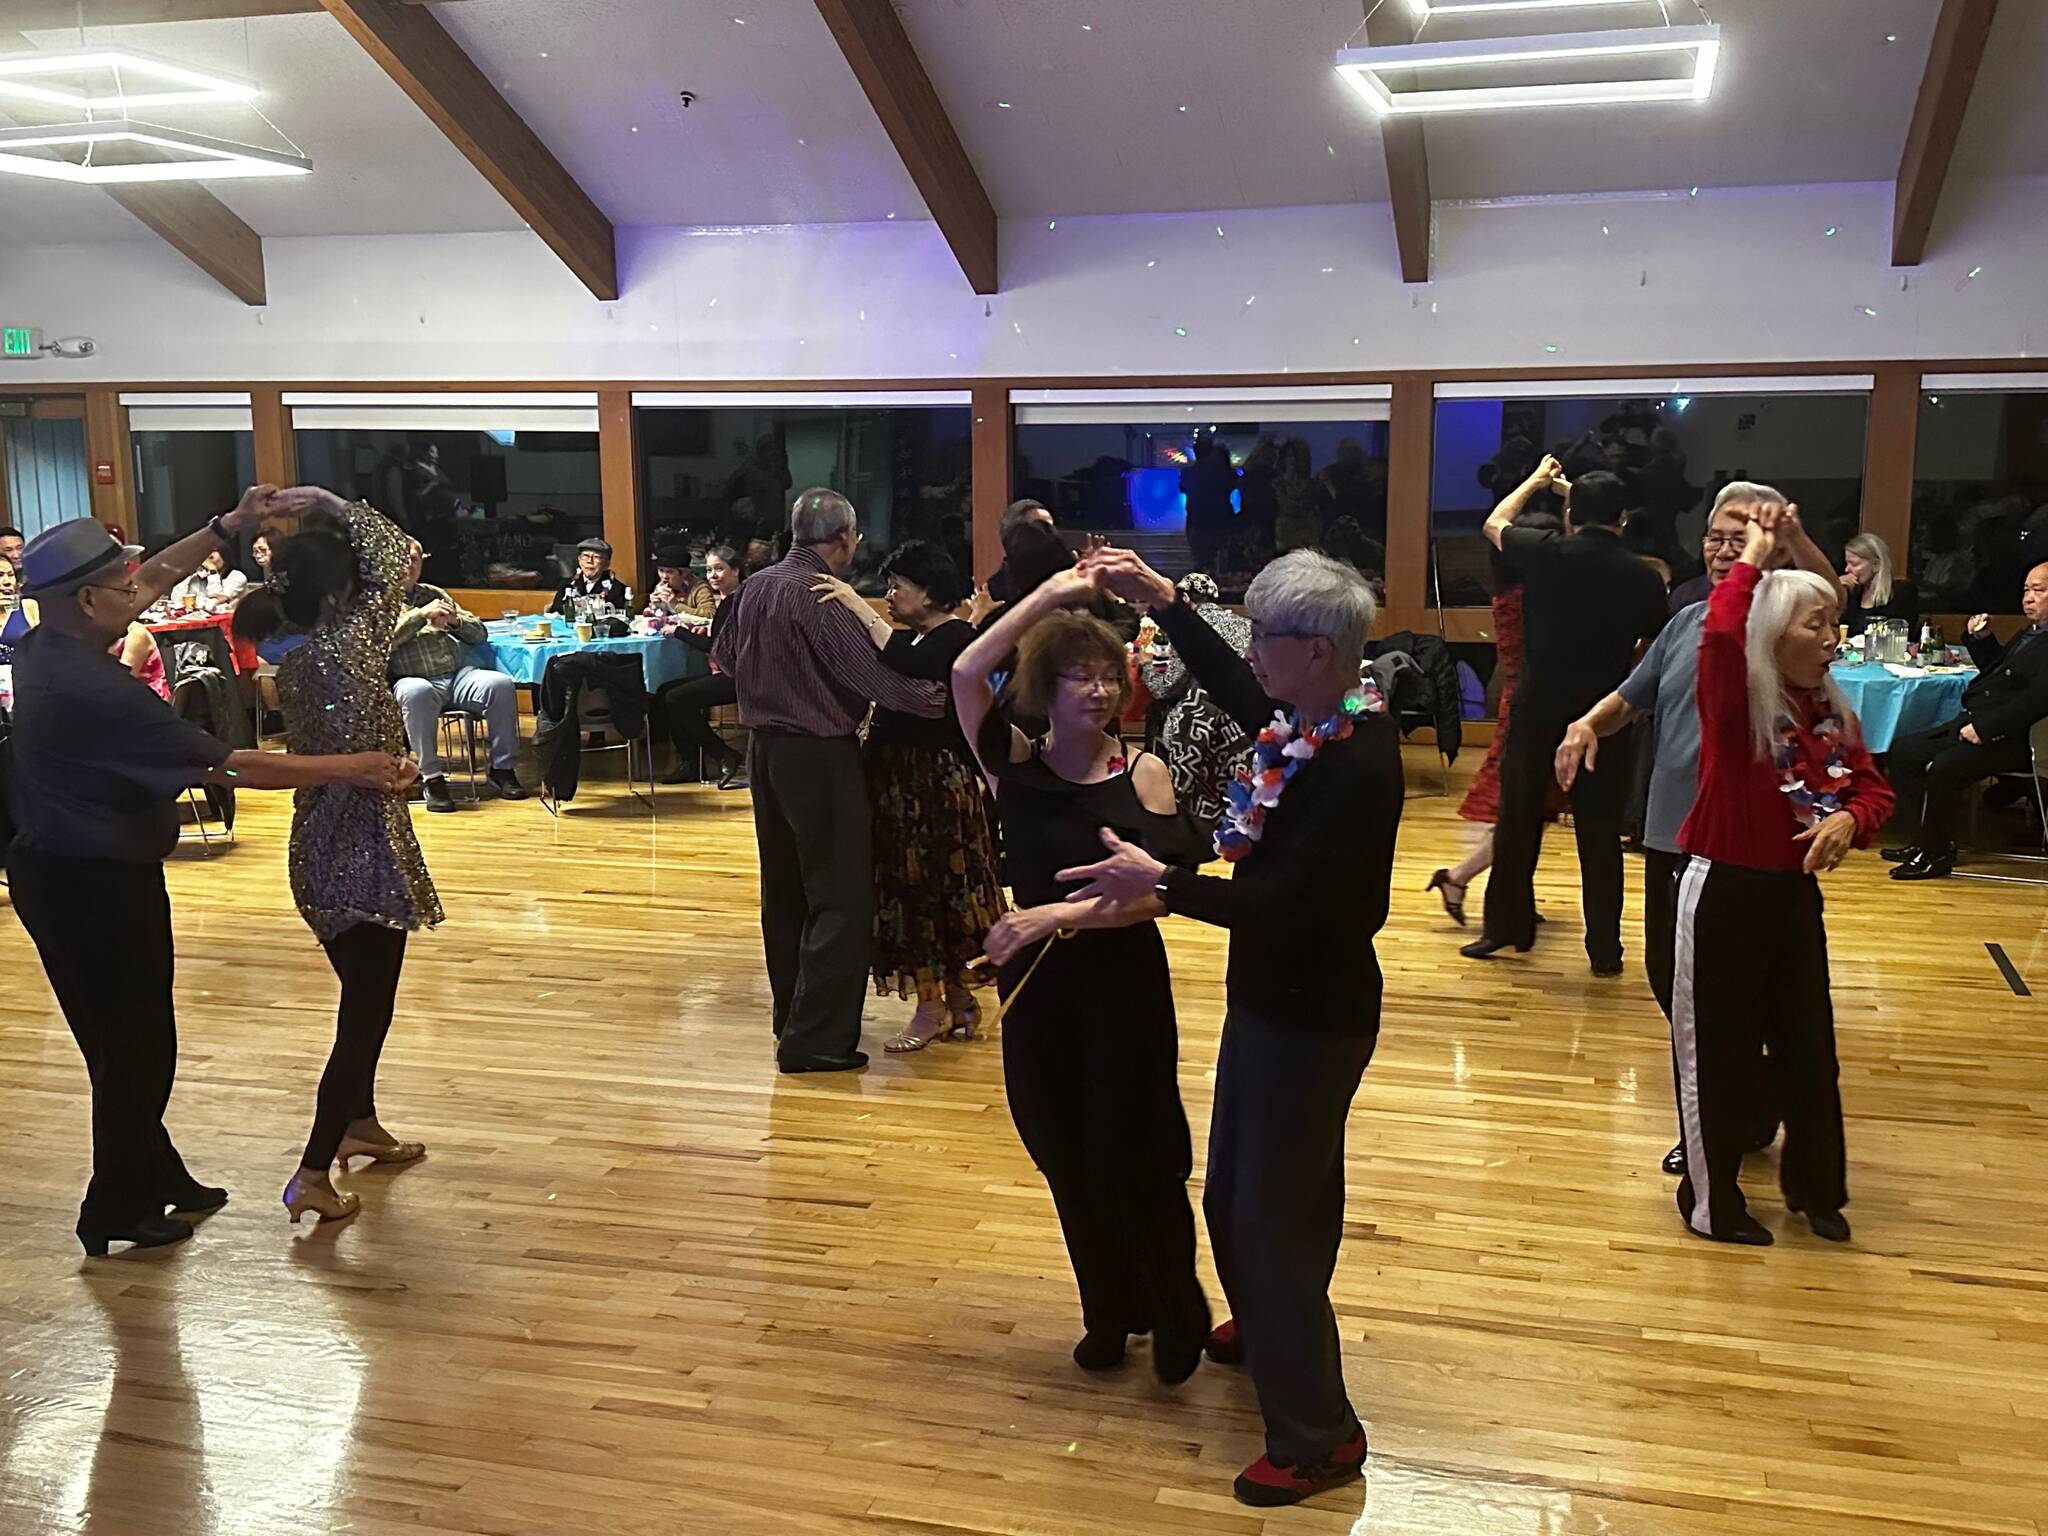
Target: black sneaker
(437,794)
(506,782)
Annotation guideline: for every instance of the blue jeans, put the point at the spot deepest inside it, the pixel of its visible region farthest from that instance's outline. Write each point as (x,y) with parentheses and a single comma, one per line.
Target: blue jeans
(492,696)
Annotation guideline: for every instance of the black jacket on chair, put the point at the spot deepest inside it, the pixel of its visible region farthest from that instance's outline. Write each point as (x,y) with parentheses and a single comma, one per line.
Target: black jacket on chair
(2010,691)
(557,737)
(1440,670)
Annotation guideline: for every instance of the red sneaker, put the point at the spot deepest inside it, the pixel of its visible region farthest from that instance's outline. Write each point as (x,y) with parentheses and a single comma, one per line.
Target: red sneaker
(1263,1484)
(1223,1345)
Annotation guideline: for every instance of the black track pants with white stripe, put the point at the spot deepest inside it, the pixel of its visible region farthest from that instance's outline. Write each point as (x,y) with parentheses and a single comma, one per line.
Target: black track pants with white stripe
(1752,960)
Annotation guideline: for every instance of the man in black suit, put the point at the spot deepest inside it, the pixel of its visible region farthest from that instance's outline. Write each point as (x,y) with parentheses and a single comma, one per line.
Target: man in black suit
(1588,604)
(1930,770)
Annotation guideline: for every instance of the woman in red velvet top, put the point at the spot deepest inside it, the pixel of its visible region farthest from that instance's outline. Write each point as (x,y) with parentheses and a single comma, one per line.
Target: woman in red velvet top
(1786,789)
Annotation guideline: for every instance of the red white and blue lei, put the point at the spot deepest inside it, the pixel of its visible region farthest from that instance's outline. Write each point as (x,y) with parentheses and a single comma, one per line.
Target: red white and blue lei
(1809,805)
(1283,749)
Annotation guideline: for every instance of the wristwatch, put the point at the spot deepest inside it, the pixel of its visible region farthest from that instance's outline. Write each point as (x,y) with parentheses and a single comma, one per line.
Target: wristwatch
(219,530)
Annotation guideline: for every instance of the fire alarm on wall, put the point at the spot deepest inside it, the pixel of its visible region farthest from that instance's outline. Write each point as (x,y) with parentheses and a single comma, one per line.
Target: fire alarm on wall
(103,473)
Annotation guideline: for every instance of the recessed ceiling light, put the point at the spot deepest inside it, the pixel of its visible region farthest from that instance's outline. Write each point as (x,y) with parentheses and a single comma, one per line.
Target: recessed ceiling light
(1891,37)
(31,77)
(212,159)
(1424,9)
(1004,105)
(1180,330)
(1364,70)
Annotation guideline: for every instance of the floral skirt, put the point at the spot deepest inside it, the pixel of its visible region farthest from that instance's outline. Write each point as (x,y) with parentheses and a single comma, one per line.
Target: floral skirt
(936,893)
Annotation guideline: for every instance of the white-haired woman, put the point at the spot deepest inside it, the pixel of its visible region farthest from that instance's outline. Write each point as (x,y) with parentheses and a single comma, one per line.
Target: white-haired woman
(1870,590)
(1310,827)
(1786,788)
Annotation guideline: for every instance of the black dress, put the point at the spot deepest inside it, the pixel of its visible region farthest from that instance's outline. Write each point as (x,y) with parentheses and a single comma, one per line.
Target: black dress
(1904,604)
(1091,1054)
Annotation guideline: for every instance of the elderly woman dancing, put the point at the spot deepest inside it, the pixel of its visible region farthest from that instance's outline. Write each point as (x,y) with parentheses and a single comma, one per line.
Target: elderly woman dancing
(1787,787)
(1311,829)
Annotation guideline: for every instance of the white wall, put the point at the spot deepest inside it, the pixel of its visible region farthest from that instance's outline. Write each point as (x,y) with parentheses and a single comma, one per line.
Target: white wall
(1727,276)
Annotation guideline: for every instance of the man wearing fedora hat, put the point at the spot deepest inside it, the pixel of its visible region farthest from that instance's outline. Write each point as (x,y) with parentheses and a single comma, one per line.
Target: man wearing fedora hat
(97,764)
(594,578)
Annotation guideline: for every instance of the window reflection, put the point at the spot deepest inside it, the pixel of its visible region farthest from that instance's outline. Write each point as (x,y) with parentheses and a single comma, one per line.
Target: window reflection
(1673,453)
(1980,499)
(1219,496)
(493,508)
(728,475)
(184,478)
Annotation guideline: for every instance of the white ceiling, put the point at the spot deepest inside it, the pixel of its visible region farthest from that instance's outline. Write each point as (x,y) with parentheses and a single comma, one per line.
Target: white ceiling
(1810,91)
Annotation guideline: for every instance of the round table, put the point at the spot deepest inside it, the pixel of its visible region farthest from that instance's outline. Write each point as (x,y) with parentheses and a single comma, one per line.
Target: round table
(1891,706)
(196,626)
(662,660)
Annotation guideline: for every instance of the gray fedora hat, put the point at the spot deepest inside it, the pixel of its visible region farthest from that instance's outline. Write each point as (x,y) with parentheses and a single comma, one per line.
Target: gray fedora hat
(62,558)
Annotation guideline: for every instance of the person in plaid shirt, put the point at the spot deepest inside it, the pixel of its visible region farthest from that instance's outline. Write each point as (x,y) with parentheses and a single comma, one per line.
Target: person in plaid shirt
(429,676)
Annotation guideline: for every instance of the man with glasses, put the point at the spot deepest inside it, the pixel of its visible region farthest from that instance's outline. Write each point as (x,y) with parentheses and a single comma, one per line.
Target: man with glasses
(1664,682)
(97,762)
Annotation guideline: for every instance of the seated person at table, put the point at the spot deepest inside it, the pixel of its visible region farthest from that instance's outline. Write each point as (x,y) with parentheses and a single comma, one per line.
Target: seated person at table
(213,582)
(429,676)
(680,589)
(1870,591)
(1930,770)
(594,578)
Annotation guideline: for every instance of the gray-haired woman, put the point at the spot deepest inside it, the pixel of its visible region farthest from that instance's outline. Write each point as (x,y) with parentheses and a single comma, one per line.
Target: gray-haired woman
(1311,830)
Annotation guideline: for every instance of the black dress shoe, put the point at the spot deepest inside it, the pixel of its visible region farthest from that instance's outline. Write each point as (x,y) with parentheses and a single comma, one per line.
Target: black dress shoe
(853,1061)
(1674,1161)
(1925,866)
(149,1232)
(197,1200)
(1486,949)
(439,797)
(1745,1229)
(1832,1225)
(1606,967)
(506,782)
(1100,1349)
(1898,855)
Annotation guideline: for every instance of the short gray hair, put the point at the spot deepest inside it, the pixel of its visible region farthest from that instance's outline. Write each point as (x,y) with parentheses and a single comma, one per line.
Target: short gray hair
(819,516)
(1750,493)
(1308,593)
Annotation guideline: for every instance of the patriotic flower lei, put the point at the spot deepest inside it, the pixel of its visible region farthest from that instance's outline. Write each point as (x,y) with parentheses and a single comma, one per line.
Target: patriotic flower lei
(1811,806)
(1283,749)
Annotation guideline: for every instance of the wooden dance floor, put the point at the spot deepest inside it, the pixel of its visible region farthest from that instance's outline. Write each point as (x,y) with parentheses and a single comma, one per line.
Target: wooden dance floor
(643,1285)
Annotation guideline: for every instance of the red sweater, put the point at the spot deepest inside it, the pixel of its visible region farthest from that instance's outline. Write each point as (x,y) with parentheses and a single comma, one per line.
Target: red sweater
(1742,814)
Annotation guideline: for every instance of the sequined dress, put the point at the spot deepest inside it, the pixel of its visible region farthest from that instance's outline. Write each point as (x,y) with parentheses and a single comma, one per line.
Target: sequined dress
(353,856)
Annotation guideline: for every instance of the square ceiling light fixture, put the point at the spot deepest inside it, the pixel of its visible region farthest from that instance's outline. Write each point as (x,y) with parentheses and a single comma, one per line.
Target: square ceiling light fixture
(1396,81)
(139,152)
(114,80)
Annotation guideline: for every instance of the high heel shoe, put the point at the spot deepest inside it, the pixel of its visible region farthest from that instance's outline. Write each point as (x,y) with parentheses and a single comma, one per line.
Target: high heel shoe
(925,1026)
(330,1205)
(1486,949)
(963,1018)
(148,1232)
(380,1152)
(1453,905)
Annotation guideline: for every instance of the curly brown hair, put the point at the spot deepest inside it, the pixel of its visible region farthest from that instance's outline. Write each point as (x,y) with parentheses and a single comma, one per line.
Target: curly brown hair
(1058,643)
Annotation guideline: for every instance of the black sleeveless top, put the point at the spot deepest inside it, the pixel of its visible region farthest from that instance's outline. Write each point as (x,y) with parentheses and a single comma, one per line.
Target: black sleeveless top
(1051,823)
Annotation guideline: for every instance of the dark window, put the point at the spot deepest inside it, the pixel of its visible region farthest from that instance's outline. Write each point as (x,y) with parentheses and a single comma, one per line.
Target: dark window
(1673,452)
(729,474)
(1980,499)
(1209,492)
(184,478)
(493,508)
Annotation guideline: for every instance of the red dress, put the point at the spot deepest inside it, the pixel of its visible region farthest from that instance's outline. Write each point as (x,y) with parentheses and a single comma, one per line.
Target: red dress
(1482,798)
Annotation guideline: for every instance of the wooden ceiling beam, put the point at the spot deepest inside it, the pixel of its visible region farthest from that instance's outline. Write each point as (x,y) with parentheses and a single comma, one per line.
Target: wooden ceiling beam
(416,51)
(1407,158)
(885,63)
(33,15)
(1960,33)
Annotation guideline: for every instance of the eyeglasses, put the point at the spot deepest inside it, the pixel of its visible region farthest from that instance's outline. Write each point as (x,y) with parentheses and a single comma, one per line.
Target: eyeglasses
(132,589)
(1260,633)
(1093,682)
(1726,540)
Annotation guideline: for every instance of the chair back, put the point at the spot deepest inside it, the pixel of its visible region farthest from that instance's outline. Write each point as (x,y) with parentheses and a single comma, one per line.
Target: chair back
(2037,747)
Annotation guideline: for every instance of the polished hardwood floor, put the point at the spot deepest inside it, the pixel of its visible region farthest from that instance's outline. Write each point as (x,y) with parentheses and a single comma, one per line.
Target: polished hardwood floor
(644,1285)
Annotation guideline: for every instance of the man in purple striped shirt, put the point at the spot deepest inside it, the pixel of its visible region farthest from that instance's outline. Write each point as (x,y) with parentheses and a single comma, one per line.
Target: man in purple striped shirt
(806,672)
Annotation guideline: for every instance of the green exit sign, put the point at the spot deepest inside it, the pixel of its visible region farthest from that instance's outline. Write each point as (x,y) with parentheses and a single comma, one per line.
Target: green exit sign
(20,341)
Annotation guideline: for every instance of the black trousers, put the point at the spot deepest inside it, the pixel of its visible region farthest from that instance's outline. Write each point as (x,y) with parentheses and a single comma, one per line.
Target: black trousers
(367,958)
(1275,1207)
(1660,937)
(1598,798)
(1932,770)
(817,888)
(684,707)
(103,929)
(1751,965)
(1091,1072)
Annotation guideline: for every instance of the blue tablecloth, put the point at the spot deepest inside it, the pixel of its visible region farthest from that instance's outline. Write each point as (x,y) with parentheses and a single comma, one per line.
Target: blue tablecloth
(1892,706)
(662,660)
